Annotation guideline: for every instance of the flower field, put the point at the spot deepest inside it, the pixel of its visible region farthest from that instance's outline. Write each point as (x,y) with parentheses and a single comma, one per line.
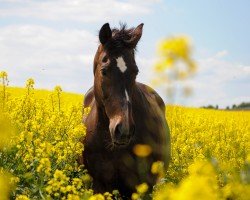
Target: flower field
(40,137)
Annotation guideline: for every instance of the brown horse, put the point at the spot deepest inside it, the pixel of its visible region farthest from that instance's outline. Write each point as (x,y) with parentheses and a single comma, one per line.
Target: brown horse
(123,113)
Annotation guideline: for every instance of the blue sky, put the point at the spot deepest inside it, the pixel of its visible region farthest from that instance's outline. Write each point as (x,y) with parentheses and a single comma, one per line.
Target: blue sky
(54,42)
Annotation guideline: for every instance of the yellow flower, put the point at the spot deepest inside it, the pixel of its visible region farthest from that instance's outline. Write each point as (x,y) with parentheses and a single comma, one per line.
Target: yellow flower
(22,197)
(3,74)
(97,197)
(30,83)
(107,196)
(77,183)
(142,150)
(58,89)
(174,64)
(59,175)
(5,186)
(158,168)
(73,197)
(135,196)
(14,180)
(44,166)
(142,188)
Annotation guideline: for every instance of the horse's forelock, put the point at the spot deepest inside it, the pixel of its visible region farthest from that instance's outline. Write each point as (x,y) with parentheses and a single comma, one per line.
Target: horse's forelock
(121,38)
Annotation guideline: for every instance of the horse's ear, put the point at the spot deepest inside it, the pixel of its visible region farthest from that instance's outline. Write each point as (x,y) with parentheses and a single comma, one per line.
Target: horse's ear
(105,33)
(137,33)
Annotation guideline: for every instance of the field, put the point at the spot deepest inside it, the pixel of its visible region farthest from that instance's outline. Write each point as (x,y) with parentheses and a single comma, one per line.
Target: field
(39,142)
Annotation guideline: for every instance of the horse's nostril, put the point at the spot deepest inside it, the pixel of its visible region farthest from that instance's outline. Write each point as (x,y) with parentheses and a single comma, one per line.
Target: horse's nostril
(118,131)
(121,135)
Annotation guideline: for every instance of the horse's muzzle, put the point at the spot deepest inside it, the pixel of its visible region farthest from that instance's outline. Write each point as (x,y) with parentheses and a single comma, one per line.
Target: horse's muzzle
(123,134)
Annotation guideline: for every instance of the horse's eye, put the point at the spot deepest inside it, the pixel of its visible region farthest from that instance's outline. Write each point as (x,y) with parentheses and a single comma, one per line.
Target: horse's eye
(104,71)
(105,59)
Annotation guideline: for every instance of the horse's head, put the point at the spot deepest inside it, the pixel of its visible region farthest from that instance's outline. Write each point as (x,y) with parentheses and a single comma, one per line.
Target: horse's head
(115,72)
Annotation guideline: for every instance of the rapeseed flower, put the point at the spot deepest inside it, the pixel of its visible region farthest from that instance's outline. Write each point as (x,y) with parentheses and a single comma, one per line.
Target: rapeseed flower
(210,150)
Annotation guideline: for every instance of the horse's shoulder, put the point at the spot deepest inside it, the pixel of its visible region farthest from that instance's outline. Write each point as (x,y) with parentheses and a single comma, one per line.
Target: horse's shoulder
(89,97)
(150,93)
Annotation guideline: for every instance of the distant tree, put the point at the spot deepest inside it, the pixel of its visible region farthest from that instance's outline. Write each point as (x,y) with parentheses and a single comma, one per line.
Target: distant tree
(244,105)
(210,107)
(241,106)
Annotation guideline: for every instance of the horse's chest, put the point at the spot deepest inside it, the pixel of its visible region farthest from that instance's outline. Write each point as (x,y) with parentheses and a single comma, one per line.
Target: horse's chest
(111,165)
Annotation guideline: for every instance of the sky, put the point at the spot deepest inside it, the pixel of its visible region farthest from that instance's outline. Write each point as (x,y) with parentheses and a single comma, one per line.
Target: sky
(54,42)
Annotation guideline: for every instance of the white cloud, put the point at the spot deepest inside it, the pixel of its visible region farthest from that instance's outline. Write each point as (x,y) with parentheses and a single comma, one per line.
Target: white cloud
(221,71)
(214,79)
(221,53)
(51,57)
(76,10)
(145,65)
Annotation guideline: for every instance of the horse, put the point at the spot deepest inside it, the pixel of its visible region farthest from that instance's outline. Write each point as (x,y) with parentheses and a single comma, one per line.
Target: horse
(124,113)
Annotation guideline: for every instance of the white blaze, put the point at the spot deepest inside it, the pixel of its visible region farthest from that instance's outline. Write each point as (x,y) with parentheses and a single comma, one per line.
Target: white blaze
(121,64)
(127,112)
(122,67)
(126,93)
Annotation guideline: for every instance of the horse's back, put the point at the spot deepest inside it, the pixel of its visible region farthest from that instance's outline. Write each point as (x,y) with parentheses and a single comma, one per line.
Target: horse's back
(89,97)
(156,109)
(151,94)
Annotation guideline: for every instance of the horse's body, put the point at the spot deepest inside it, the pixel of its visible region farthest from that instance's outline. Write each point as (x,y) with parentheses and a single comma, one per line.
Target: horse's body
(108,156)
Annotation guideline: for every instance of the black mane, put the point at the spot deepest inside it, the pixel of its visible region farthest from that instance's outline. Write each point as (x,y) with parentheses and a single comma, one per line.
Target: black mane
(121,38)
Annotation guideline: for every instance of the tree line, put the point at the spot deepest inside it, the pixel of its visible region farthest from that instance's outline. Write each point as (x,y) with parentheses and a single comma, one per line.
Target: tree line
(241,106)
